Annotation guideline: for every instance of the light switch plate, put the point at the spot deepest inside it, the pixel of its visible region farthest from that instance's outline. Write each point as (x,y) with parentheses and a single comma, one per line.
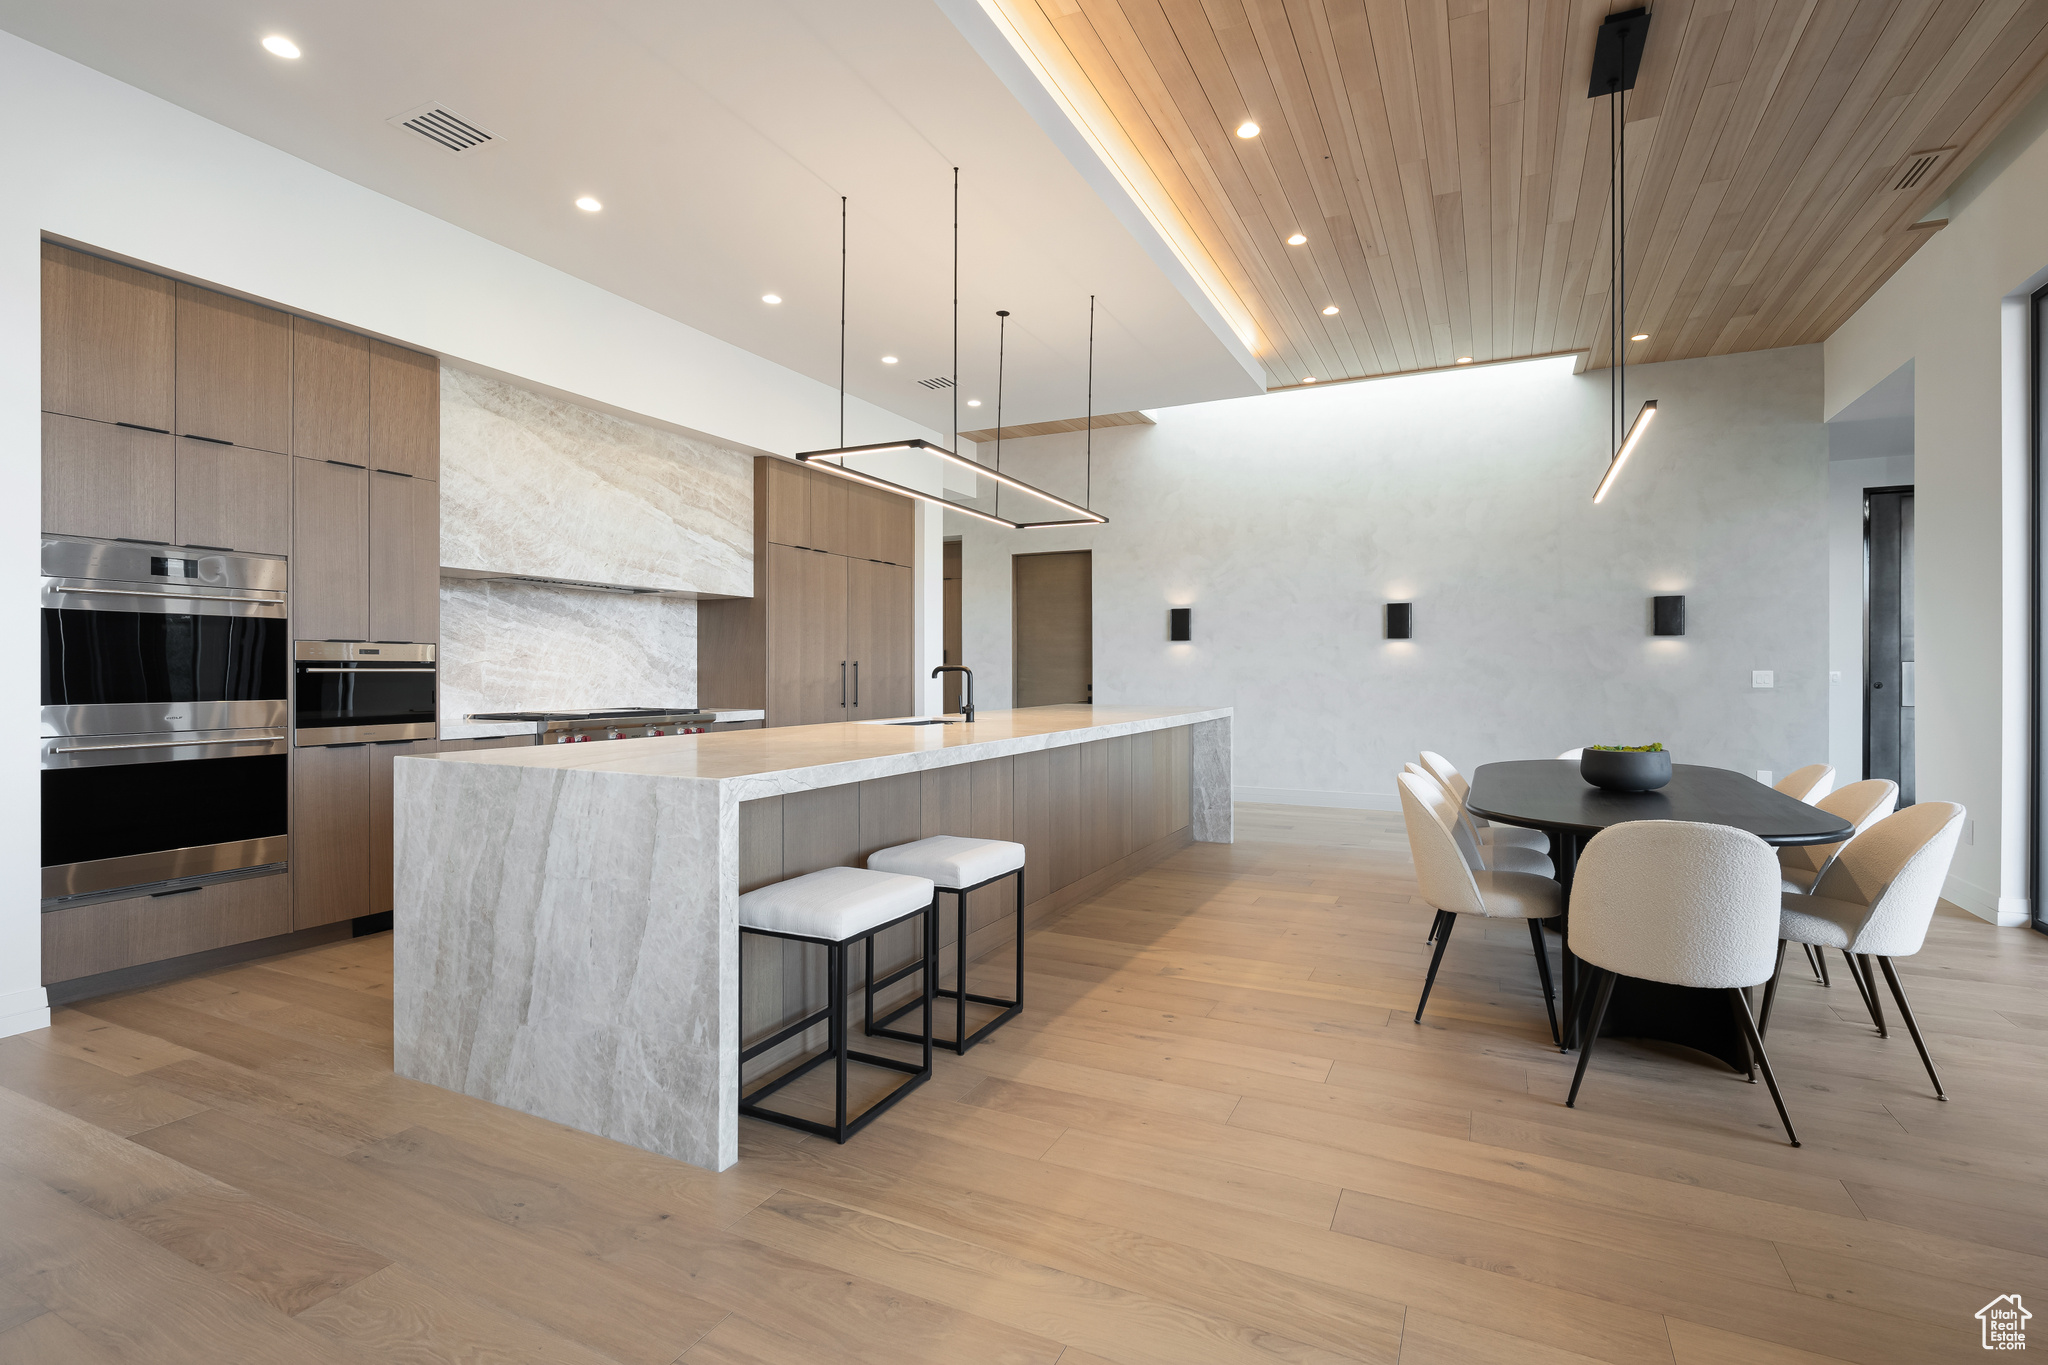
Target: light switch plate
(1834,677)
(1763,677)
(1763,775)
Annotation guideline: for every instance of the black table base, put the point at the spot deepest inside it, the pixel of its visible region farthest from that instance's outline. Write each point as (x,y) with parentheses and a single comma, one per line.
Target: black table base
(1685,1015)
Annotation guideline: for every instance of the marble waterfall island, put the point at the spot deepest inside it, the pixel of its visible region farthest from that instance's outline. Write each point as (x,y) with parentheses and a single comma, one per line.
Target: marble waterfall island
(567,939)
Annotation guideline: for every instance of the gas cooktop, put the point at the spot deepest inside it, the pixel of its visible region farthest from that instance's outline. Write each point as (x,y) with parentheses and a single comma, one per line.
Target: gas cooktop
(629,713)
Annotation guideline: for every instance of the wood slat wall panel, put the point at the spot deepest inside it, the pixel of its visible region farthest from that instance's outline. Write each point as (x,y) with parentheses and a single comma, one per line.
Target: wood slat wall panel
(1451,176)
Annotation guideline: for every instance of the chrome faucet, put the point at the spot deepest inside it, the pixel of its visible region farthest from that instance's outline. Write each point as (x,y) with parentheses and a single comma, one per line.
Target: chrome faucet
(967,704)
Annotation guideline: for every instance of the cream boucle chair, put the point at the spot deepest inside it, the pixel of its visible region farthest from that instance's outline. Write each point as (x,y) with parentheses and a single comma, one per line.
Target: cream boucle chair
(1682,903)
(1809,783)
(1453,888)
(1453,781)
(1478,856)
(1862,804)
(1875,900)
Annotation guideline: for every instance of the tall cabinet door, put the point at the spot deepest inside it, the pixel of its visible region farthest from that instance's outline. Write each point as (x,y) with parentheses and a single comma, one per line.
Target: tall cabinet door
(234,498)
(879,643)
(809,673)
(330,530)
(426,568)
(109,341)
(330,393)
(381,824)
(393,561)
(234,371)
(405,411)
(104,480)
(330,834)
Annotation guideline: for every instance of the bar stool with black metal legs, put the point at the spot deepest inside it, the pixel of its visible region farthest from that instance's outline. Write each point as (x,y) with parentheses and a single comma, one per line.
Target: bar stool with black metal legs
(960,866)
(838,907)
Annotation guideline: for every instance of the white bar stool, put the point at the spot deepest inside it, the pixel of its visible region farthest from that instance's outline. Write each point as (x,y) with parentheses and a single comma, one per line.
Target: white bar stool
(838,907)
(959,865)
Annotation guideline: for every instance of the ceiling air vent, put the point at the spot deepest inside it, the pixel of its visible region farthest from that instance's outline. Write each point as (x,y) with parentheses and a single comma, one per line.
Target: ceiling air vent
(1919,168)
(941,382)
(449,131)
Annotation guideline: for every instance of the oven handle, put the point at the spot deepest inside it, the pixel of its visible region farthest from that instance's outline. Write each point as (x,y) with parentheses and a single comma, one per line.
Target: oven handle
(366,670)
(176,596)
(167,744)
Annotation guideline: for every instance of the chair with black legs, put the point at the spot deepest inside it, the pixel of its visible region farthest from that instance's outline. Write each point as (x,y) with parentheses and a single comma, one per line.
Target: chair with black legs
(1453,888)
(1875,901)
(1862,804)
(1453,781)
(1684,904)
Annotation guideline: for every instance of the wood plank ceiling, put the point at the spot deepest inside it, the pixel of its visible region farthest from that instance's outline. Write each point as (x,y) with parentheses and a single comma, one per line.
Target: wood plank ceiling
(1449,175)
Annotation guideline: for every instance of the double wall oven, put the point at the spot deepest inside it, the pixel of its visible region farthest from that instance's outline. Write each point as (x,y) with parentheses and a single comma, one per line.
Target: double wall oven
(164,672)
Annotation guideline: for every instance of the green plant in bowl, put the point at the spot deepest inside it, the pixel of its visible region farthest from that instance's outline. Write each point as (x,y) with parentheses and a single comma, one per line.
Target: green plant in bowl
(1628,748)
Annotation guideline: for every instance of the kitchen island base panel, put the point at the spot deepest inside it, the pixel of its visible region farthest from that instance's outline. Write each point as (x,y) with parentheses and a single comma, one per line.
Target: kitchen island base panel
(567,924)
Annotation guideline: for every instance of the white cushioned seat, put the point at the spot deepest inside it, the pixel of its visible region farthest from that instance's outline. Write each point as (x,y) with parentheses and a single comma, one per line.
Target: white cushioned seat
(834,903)
(1509,858)
(1819,921)
(1514,836)
(950,860)
(1518,895)
(1797,881)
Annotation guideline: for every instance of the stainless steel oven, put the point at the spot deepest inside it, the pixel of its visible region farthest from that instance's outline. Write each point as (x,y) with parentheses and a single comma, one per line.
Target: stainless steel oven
(350,693)
(164,681)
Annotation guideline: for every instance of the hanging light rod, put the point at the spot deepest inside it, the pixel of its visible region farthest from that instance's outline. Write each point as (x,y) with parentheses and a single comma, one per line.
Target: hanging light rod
(821,459)
(1628,445)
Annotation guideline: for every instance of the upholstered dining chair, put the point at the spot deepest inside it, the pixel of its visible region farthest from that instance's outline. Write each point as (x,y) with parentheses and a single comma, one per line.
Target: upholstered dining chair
(1479,856)
(1862,804)
(1809,783)
(1682,903)
(1453,888)
(1446,773)
(1875,900)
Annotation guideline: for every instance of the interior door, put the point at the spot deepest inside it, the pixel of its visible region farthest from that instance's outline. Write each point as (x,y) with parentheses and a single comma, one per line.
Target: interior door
(1888,637)
(878,632)
(1053,618)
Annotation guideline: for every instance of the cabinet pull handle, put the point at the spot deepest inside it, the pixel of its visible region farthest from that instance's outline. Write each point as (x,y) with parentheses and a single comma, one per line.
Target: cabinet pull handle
(210,440)
(381,470)
(175,596)
(856,684)
(842,682)
(181,891)
(370,672)
(228,549)
(380,743)
(166,744)
(346,465)
(161,431)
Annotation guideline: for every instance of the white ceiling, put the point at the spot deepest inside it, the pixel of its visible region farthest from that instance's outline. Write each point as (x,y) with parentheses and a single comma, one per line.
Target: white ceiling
(720,137)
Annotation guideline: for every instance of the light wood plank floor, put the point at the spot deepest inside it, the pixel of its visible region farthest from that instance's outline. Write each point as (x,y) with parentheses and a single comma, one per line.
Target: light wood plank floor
(1215,1136)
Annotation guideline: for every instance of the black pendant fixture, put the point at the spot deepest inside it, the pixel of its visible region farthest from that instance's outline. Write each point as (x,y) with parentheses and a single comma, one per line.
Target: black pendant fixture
(1617,57)
(833,461)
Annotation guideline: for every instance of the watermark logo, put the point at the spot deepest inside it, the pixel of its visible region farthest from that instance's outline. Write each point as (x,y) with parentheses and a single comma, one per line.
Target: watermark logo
(2005,1323)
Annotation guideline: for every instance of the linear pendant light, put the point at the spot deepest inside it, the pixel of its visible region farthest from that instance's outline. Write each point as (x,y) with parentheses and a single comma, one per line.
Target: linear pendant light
(823,459)
(1617,57)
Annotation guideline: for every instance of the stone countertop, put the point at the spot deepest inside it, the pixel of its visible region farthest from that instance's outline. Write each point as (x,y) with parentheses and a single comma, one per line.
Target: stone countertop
(495,729)
(768,762)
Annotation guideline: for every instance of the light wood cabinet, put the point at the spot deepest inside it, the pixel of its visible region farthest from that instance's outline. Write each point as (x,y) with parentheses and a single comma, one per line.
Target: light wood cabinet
(782,502)
(391,557)
(234,371)
(797,505)
(827,495)
(879,524)
(330,834)
(426,567)
(381,823)
(108,481)
(330,551)
(330,393)
(234,498)
(878,640)
(109,340)
(807,661)
(89,939)
(405,411)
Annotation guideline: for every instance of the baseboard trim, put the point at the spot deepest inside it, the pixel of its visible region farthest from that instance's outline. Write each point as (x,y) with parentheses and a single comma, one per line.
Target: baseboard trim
(1289,796)
(171,968)
(24,1011)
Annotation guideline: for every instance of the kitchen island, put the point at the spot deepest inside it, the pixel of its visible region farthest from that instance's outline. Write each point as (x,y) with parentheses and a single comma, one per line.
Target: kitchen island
(566,917)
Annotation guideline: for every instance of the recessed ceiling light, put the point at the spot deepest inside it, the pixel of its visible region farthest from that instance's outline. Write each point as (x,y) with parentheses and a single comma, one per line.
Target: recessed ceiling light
(1640,336)
(974,402)
(280,46)
(1296,240)
(1247,129)
(771,298)
(587,204)
(1308,379)
(1464,360)
(1330,311)
(888,360)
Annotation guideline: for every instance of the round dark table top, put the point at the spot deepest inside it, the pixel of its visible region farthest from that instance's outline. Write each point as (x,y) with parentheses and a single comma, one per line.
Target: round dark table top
(1549,794)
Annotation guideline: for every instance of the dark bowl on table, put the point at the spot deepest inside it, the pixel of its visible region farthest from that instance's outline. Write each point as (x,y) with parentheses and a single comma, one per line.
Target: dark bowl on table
(1622,770)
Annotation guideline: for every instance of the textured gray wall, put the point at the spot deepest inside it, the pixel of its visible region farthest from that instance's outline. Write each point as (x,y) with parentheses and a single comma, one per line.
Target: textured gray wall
(1287,521)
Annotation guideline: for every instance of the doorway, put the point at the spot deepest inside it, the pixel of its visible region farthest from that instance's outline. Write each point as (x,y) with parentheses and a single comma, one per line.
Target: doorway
(1052,611)
(1888,637)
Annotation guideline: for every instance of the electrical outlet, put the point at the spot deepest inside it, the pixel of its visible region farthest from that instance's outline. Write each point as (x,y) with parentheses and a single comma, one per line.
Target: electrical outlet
(1763,677)
(1763,775)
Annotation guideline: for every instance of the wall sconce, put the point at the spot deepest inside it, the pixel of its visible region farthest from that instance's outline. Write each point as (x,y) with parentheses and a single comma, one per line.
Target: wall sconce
(1179,623)
(1667,615)
(1400,620)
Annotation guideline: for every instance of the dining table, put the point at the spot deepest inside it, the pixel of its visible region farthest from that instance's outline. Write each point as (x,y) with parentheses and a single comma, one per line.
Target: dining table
(1548,794)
